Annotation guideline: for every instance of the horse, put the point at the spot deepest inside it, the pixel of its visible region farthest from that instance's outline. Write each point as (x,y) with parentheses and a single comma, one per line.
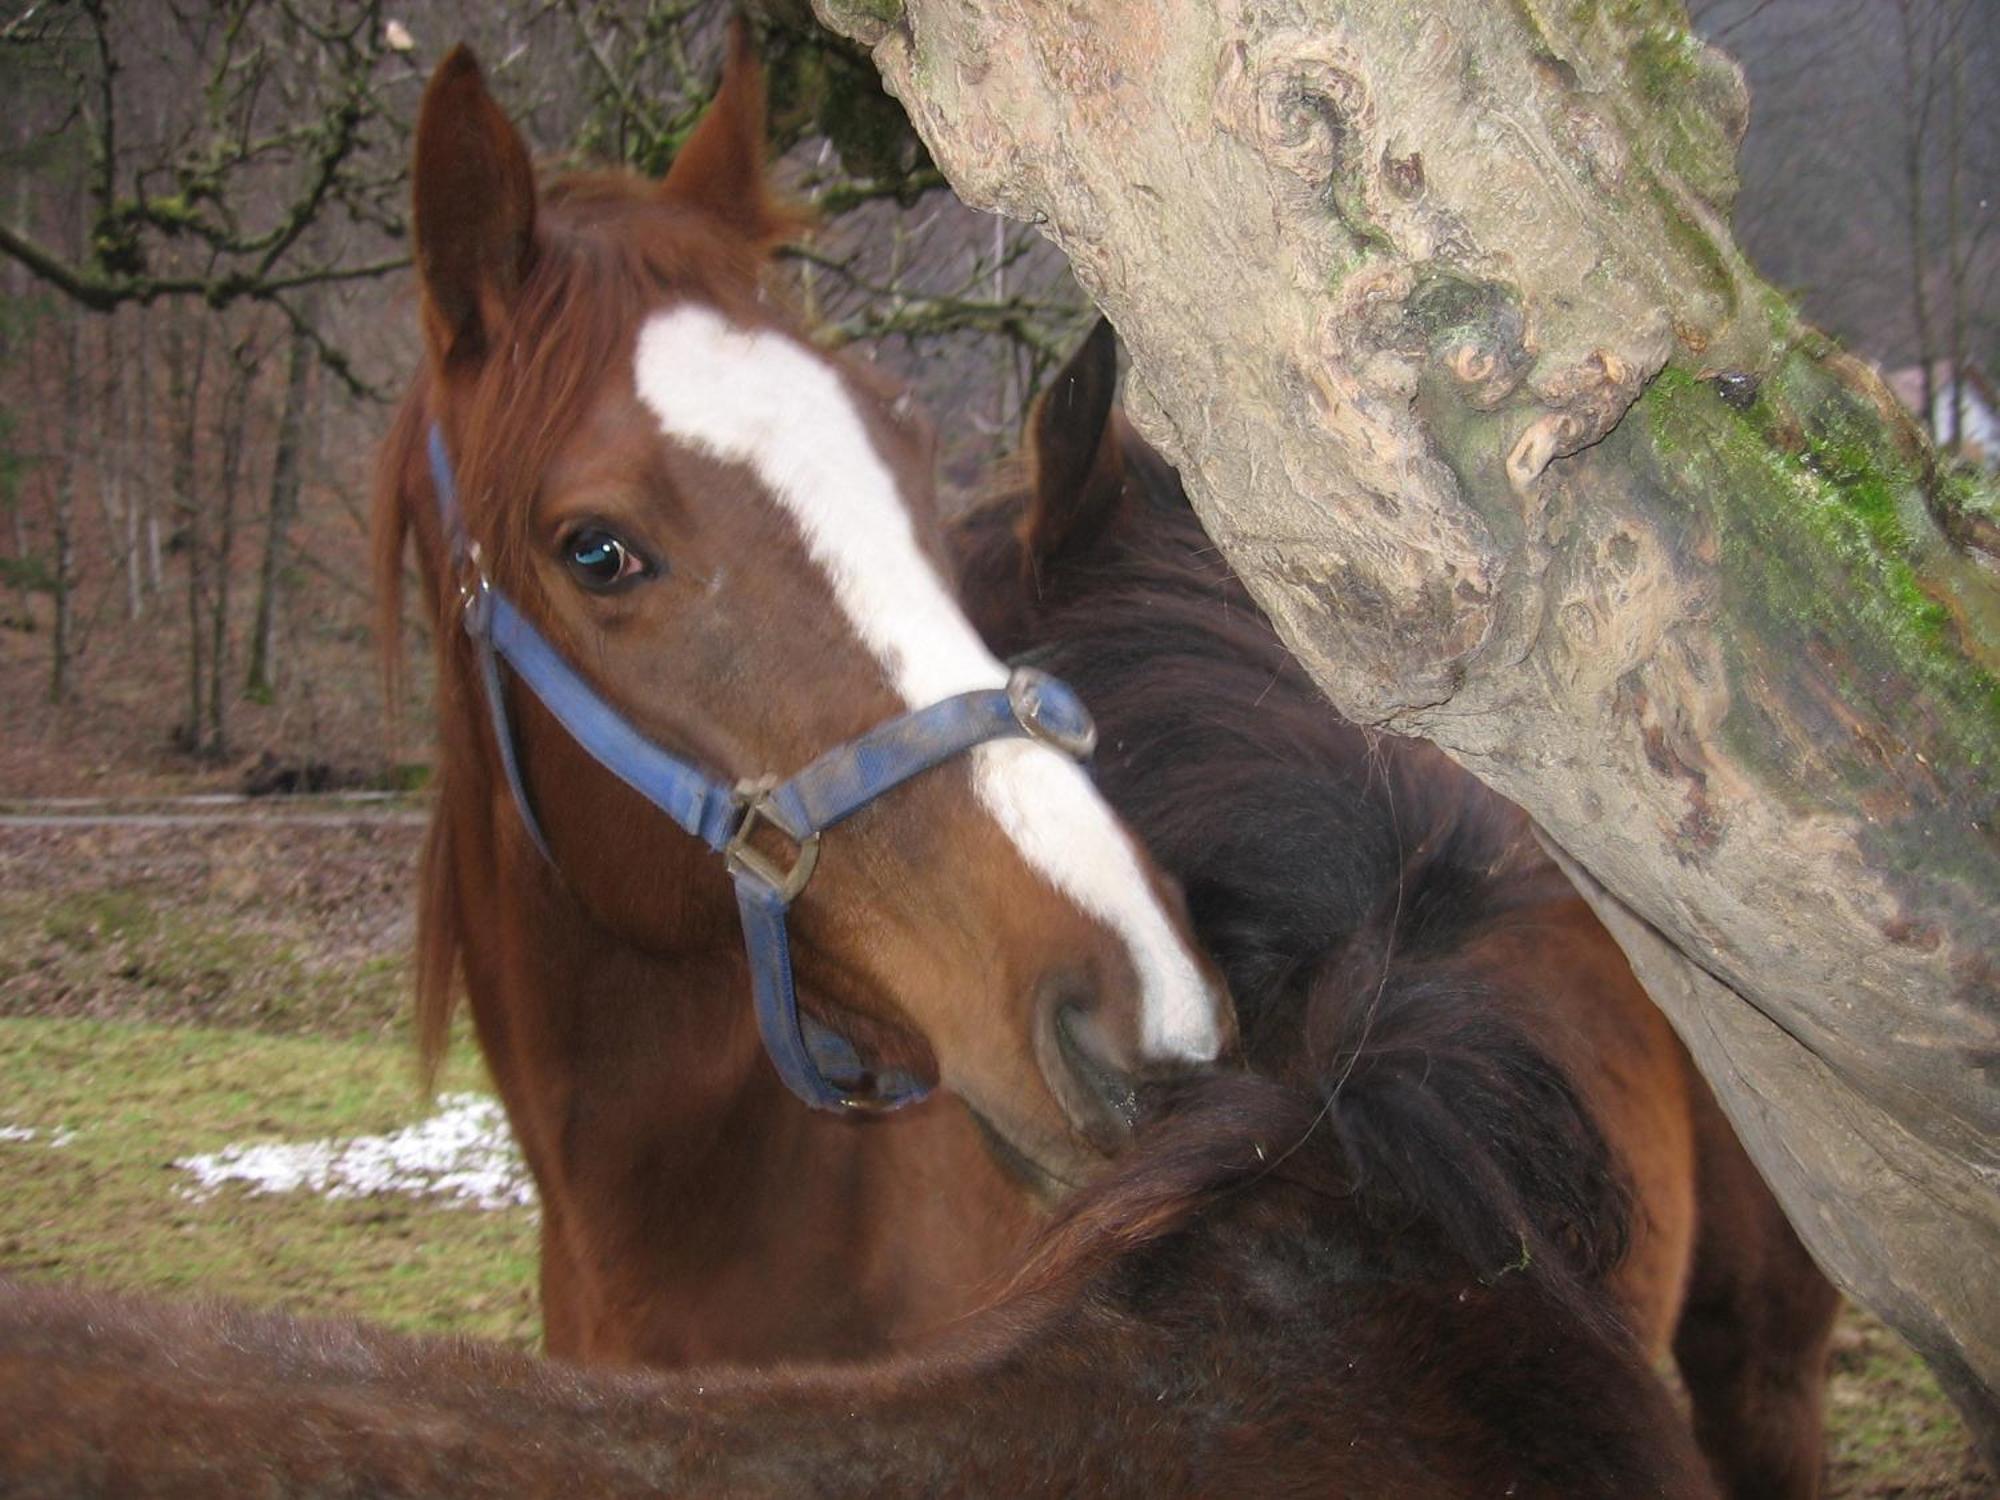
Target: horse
(1290,828)
(672,552)
(1372,1272)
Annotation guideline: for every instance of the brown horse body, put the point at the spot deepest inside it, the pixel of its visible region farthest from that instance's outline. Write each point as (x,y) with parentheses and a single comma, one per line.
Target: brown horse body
(1366,1281)
(1292,831)
(619,393)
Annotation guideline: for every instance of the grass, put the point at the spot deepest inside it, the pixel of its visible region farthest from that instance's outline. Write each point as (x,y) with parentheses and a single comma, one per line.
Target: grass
(301,931)
(108,1205)
(165,992)
(1890,1432)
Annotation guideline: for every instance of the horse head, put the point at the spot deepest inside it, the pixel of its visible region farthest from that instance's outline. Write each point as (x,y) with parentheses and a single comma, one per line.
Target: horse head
(729,536)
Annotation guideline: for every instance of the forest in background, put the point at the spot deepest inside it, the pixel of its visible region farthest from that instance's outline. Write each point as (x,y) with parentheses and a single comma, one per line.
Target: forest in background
(207,308)
(209,313)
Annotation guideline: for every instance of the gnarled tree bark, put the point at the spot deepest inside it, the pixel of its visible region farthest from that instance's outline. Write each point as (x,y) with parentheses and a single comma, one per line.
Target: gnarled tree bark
(1438,310)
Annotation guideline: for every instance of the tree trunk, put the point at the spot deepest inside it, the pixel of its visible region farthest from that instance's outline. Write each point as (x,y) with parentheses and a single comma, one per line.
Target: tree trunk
(184,373)
(1919,89)
(147,513)
(129,451)
(114,463)
(16,283)
(62,644)
(24,597)
(235,421)
(262,680)
(1438,311)
(1957,253)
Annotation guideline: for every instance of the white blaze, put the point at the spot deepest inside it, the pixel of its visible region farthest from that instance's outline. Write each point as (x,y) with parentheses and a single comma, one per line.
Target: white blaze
(762,399)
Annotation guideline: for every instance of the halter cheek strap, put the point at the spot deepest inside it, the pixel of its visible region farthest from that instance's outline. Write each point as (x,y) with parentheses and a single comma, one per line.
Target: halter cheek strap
(817,1064)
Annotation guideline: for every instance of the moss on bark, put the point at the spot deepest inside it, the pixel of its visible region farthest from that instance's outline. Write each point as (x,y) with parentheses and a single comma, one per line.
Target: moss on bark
(1813,518)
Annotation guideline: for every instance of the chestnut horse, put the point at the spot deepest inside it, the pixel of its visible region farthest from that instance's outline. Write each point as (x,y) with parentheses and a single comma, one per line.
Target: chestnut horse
(1289,829)
(667,542)
(1372,1277)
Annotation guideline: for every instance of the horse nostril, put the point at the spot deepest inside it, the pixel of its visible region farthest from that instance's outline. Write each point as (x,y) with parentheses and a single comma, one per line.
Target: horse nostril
(1090,1059)
(1090,1075)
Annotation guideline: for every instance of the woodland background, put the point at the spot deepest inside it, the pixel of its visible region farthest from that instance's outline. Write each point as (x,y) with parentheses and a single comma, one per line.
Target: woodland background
(203,249)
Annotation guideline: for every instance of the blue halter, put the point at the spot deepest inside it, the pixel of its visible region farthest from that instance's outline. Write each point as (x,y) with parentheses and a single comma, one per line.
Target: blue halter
(817,1064)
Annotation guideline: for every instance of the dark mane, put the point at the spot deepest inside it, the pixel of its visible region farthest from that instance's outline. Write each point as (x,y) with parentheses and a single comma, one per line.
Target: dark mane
(1286,823)
(1402,1082)
(1426,1130)
(1453,1039)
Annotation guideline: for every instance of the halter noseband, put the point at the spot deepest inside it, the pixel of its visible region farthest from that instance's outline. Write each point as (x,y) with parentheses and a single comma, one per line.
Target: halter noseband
(817,1064)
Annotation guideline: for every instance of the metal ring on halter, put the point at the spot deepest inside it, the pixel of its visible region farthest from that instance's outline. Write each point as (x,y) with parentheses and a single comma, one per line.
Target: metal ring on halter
(1051,712)
(475,593)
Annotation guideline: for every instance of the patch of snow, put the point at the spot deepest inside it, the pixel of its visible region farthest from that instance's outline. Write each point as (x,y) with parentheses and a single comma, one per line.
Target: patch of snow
(464,1154)
(22,1134)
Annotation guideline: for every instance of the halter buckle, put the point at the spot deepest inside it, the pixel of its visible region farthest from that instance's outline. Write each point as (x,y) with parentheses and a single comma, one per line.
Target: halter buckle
(754,797)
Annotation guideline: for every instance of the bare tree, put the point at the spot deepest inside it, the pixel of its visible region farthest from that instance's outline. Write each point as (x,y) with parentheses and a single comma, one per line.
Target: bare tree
(237,160)
(276,175)
(186,360)
(217,206)
(1871,173)
(62,644)
(261,680)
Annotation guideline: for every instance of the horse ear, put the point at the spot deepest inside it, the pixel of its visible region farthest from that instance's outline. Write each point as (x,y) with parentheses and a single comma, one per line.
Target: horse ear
(474,200)
(720,170)
(1076,461)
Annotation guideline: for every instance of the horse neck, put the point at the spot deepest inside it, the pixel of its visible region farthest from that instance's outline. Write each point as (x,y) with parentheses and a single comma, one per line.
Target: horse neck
(578,1023)
(692,1208)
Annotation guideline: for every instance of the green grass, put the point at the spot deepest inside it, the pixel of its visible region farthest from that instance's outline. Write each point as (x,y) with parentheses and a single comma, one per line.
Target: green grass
(1890,1431)
(110,1207)
(147,954)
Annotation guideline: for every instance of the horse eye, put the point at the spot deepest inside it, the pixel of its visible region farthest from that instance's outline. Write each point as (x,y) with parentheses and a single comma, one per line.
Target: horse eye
(600,561)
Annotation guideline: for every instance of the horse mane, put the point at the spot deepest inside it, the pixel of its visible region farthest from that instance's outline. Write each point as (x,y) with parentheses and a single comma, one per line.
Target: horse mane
(1415,1117)
(1337,876)
(608,249)
(1286,821)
